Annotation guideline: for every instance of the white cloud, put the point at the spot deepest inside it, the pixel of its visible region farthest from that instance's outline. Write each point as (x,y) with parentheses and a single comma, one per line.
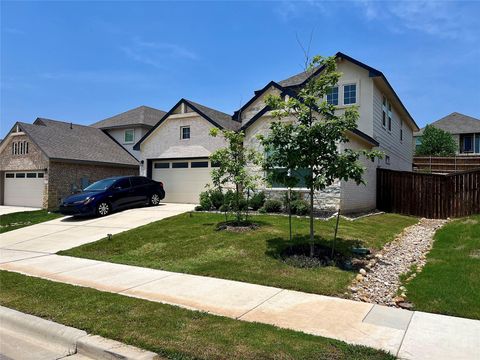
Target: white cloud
(444,19)
(156,53)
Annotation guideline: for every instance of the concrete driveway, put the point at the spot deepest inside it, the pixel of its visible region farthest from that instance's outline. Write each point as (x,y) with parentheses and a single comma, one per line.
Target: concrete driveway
(68,232)
(5,209)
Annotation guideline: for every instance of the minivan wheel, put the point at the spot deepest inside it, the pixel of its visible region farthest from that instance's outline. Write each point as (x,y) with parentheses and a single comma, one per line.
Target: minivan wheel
(154,199)
(103,209)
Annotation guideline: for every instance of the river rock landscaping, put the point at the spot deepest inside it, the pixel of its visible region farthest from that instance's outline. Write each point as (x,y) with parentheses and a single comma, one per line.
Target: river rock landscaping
(380,280)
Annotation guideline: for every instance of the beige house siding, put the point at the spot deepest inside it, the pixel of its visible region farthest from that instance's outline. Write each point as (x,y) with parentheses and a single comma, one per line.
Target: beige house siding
(168,135)
(119,135)
(400,152)
(358,198)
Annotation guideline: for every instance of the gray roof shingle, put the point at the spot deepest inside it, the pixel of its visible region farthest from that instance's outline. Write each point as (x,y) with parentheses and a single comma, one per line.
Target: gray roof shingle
(456,123)
(224,120)
(142,115)
(62,140)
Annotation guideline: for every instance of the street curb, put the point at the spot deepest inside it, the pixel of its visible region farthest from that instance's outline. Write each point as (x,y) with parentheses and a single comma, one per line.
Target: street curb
(69,340)
(57,336)
(97,347)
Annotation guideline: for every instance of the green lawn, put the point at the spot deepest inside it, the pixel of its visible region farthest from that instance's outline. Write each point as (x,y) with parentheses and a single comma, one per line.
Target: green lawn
(168,330)
(191,244)
(450,281)
(18,220)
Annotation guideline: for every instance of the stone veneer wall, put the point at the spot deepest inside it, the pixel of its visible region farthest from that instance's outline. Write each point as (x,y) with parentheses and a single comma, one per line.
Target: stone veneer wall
(63,176)
(325,201)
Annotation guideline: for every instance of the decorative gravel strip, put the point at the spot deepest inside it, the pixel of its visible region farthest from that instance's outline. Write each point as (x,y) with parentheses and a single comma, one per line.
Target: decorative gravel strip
(379,281)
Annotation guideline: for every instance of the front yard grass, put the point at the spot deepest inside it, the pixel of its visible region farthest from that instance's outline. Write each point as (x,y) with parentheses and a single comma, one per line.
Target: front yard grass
(171,331)
(450,281)
(18,220)
(191,244)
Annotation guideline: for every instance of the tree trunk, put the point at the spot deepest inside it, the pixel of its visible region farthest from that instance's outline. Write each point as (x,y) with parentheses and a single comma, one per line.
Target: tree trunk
(237,200)
(289,198)
(312,240)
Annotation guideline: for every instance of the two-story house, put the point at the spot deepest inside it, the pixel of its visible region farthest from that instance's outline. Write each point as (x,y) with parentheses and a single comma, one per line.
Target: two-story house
(130,126)
(179,145)
(464,129)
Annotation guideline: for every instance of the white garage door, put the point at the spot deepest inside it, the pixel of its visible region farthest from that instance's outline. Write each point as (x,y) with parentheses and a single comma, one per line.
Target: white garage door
(183,181)
(24,188)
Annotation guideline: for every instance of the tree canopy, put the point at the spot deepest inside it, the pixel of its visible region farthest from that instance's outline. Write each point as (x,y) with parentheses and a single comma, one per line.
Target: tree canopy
(436,142)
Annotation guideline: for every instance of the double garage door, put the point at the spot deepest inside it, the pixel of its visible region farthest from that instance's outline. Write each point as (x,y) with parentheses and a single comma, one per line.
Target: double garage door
(23,188)
(183,180)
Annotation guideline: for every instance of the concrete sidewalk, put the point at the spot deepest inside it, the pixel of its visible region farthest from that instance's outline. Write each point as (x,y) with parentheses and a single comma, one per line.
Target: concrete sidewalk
(5,209)
(409,335)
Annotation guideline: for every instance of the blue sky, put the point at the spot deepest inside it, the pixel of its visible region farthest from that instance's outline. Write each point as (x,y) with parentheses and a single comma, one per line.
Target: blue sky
(84,61)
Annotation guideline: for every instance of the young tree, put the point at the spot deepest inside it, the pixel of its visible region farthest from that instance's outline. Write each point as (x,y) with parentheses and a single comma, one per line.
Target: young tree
(436,142)
(311,143)
(233,163)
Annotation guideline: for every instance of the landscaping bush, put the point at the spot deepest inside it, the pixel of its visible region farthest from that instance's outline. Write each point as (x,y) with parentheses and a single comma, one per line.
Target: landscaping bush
(205,201)
(294,196)
(273,206)
(257,200)
(300,207)
(216,198)
(230,202)
(199,208)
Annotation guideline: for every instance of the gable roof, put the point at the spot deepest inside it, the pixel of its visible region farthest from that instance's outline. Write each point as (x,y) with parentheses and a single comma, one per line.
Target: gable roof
(60,140)
(455,123)
(298,80)
(142,115)
(215,117)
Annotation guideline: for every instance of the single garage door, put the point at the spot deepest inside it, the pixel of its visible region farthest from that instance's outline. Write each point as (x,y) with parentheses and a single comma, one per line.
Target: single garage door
(183,181)
(24,189)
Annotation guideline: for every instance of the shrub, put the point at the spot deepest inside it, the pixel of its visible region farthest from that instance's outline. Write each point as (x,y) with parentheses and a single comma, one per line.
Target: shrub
(216,198)
(198,208)
(230,202)
(300,207)
(273,206)
(205,201)
(262,210)
(257,200)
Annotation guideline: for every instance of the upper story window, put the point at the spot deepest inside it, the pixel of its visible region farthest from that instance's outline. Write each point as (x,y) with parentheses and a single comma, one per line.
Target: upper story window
(386,113)
(349,94)
(129,136)
(19,147)
(185,132)
(332,96)
(389,116)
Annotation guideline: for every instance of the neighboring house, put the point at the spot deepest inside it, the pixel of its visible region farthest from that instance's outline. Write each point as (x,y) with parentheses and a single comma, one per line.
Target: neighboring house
(464,129)
(177,149)
(130,126)
(43,162)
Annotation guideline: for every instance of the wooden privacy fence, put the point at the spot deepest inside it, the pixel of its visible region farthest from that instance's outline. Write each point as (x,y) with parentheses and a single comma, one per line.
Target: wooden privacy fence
(434,196)
(446,164)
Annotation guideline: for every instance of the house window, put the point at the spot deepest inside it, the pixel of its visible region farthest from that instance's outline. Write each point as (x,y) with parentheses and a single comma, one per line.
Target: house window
(20,175)
(387,160)
(418,142)
(299,174)
(180,165)
(332,96)
(467,143)
(31,175)
(9,175)
(185,132)
(349,94)
(477,143)
(199,164)
(129,136)
(40,175)
(384,111)
(389,116)
(164,165)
